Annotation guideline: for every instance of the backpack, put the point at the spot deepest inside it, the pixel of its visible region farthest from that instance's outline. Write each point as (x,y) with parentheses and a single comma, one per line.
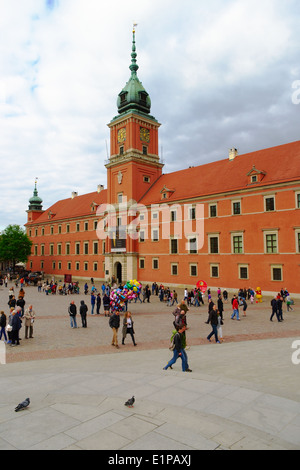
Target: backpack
(172,345)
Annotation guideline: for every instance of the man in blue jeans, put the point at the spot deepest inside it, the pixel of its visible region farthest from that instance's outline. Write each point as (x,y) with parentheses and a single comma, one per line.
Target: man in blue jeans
(179,352)
(73,312)
(213,320)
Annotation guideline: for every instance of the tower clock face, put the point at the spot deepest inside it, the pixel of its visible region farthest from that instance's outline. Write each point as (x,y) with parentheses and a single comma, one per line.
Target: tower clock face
(121,135)
(144,134)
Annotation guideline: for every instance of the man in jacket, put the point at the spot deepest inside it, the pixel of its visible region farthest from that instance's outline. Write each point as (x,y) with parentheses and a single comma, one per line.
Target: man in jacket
(16,326)
(213,319)
(73,312)
(179,352)
(274,308)
(114,323)
(29,319)
(83,312)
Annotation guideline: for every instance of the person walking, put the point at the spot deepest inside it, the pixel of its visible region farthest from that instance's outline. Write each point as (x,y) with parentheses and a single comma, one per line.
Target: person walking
(29,320)
(12,302)
(128,328)
(213,320)
(178,351)
(244,303)
(16,326)
(235,308)
(219,328)
(279,309)
(114,323)
(73,312)
(106,305)
(220,306)
(83,309)
(274,308)
(175,296)
(21,303)
(289,302)
(3,326)
(98,302)
(93,302)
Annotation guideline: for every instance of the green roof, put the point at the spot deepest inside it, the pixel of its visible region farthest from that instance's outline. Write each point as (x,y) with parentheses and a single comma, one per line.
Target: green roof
(134,97)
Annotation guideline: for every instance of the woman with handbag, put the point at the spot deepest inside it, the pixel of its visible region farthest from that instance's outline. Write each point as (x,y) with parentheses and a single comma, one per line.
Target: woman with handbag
(128,327)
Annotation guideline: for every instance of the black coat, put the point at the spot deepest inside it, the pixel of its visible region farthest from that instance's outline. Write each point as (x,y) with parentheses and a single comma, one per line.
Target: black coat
(72,310)
(114,321)
(16,322)
(213,317)
(83,309)
(2,321)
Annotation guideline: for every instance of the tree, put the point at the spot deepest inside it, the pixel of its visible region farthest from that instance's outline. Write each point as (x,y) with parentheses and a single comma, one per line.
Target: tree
(15,246)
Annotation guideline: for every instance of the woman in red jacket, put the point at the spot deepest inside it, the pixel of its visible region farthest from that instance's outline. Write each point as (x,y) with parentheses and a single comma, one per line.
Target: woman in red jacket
(235,307)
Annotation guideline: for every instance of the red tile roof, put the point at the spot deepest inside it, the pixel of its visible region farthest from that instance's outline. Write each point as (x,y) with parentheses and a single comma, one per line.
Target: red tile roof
(79,206)
(281,164)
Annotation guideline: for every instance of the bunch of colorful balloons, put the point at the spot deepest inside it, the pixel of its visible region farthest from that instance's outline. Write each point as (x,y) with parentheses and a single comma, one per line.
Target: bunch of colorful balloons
(119,296)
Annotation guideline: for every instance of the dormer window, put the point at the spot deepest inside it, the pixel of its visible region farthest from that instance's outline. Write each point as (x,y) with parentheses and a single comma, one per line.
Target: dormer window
(166,192)
(255,176)
(143,97)
(123,97)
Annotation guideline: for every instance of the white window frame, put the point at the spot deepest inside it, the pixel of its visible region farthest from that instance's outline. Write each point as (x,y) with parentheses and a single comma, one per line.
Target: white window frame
(214,265)
(297,232)
(269,196)
(211,204)
(239,273)
(153,260)
(276,266)
(235,201)
(270,232)
(237,234)
(176,266)
(170,249)
(191,265)
(189,238)
(213,235)
(297,194)
(153,230)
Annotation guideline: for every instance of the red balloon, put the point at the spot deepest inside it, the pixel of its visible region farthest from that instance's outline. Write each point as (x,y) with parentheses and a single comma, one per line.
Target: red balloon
(202,286)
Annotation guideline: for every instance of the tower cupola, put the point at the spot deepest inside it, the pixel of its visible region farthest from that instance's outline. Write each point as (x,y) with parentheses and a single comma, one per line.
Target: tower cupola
(35,202)
(134,97)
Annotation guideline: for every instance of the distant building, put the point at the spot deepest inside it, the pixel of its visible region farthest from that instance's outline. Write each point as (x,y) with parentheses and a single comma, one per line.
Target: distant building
(233,223)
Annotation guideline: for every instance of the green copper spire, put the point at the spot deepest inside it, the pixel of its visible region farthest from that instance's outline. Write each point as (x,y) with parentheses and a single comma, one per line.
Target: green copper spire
(134,66)
(134,97)
(35,202)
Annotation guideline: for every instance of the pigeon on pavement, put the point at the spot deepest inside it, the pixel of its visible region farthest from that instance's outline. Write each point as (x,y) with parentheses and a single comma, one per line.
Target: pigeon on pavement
(130,402)
(23,405)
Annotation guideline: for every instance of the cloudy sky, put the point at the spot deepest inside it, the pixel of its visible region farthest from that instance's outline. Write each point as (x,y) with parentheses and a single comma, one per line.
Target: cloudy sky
(220,74)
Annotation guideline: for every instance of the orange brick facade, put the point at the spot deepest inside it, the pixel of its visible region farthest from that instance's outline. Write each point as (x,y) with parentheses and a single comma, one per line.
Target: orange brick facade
(233,223)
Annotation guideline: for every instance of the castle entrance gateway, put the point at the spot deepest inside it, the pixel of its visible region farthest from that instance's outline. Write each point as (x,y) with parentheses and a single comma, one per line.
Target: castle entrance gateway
(118,272)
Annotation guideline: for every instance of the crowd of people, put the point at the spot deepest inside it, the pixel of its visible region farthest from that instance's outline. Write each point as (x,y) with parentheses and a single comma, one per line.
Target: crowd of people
(20,315)
(11,324)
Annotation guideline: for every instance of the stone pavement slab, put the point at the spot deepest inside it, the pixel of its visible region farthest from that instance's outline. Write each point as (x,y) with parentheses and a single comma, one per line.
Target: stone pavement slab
(239,396)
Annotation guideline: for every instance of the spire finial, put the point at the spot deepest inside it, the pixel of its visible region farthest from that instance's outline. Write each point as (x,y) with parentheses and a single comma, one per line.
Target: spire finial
(134,66)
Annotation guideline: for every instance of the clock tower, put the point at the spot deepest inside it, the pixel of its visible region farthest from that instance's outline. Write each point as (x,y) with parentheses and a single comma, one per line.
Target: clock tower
(134,165)
(133,141)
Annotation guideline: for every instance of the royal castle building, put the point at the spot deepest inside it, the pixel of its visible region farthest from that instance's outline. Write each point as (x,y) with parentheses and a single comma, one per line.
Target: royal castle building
(232,223)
